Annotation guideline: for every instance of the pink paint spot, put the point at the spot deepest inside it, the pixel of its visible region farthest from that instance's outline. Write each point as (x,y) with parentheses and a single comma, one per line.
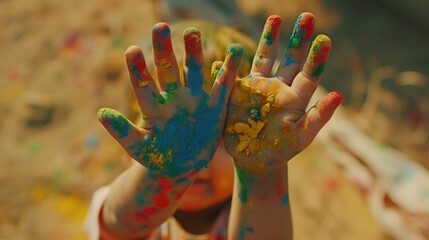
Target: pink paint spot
(14,75)
(331,184)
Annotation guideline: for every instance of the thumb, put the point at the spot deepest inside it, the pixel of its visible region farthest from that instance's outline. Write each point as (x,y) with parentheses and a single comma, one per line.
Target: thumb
(318,116)
(122,129)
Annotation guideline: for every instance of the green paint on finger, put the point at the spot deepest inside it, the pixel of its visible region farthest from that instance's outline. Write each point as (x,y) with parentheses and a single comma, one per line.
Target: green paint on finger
(236,51)
(318,71)
(294,42)
(269,38)
(158,99)
(115,121)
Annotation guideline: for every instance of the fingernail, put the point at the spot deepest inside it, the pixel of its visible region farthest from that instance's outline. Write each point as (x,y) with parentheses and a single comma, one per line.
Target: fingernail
(317,56)
(302,31)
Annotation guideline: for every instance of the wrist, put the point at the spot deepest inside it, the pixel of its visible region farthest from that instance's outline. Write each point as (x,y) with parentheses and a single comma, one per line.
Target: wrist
(184,178)
(267,184)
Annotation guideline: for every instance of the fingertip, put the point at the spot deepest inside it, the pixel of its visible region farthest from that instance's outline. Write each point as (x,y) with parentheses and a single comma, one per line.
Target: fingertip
(216,66)
(161,29)
(329,103)
(191,35)
(272,29)
(337,96)
(102,113)
(323,41)
(275,21)
(307,15)
(307,18)
(132,50)
(115,122)
(317,56)
(235,50)
(161,39)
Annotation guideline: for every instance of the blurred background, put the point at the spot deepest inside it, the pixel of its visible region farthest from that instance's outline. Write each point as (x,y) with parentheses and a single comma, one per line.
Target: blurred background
(365,177)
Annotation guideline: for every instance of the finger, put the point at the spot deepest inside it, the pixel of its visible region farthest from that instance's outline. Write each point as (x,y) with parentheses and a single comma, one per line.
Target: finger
(305,83)
(194,60)
(297,48)
(226,75)
(122,129)
(167,71)
(143,85)
(216,66)
(311,123)
(267,49)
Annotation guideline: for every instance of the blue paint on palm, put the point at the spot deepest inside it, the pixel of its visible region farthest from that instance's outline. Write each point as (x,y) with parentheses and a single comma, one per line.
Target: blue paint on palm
(186,143)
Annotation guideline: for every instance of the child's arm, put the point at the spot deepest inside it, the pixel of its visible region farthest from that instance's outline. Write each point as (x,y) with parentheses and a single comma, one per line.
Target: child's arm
(267,125)
(178,135)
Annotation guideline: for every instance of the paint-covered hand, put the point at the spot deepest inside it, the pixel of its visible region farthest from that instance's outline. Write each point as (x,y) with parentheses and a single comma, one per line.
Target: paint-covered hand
(267,123)
(181,125)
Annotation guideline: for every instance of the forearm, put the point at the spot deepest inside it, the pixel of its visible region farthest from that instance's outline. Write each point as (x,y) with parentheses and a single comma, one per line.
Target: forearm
(139,201)
(260,205)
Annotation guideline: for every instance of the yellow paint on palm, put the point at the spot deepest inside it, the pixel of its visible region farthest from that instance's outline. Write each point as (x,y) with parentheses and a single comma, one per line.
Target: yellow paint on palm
(248,132)
(157,157)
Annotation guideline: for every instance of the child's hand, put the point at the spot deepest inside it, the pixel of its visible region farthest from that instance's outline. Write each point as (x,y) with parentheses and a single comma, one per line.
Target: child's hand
(267,122)
(181,125)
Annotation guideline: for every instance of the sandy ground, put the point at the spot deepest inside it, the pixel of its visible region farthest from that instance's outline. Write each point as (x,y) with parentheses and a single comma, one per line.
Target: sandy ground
(62,61)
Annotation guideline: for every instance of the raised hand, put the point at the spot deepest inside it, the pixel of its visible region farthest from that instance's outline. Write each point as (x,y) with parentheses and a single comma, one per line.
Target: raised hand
(181,124)
(267,122)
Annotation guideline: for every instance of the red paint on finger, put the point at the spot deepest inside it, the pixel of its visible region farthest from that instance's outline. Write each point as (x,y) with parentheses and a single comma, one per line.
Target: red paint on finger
(317,56)
(161,39)
(302,31)
(137,66)
(272,28)
(307,22)
(321,49)
(331,102)
(192,40)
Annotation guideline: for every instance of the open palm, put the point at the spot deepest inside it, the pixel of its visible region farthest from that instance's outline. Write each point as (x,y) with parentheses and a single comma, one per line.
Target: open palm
(267,123)
(181,124)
